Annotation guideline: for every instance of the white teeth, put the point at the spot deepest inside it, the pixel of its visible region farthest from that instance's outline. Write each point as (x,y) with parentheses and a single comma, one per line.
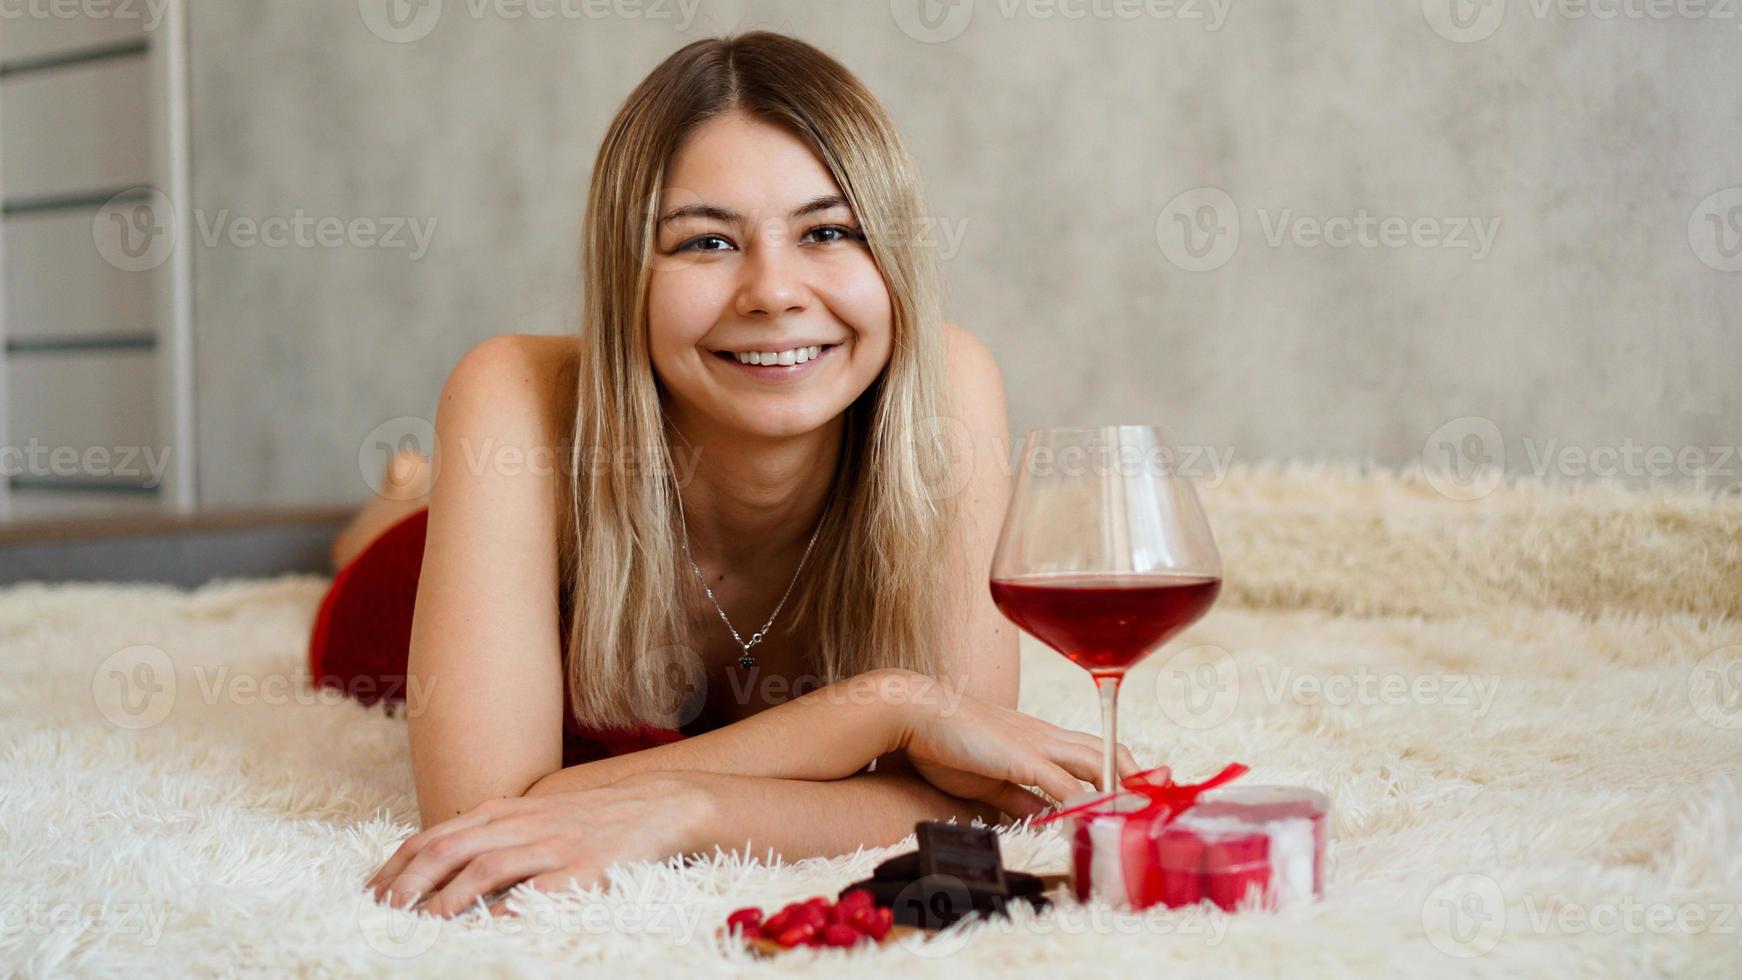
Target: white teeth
(797,355)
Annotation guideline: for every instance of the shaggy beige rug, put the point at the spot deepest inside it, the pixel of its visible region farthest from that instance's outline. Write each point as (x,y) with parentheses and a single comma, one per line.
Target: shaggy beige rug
(1527,710)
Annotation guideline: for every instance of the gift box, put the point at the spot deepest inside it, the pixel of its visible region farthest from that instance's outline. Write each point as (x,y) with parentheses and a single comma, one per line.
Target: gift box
(1165,843)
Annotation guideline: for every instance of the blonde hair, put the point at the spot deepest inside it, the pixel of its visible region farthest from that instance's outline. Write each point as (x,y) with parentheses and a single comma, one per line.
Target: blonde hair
(877,577)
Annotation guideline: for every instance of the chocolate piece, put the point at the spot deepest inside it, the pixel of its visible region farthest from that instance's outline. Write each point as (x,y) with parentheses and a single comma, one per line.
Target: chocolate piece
(955,872)
(965,854)
(1024,885)
(936,901)
(909,899)
(902,867)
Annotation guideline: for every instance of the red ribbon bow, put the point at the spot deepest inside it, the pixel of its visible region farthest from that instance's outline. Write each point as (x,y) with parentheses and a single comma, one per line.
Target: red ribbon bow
(1167,799)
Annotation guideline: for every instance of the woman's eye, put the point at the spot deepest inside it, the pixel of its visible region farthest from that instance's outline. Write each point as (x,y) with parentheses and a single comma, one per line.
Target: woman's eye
(834,233)
(705,243)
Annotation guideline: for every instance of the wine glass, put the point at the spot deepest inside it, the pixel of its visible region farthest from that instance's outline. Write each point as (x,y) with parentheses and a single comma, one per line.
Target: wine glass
(1105,554)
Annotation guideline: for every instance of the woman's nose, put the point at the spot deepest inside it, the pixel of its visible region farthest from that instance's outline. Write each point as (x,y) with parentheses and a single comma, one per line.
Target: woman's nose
(773,279)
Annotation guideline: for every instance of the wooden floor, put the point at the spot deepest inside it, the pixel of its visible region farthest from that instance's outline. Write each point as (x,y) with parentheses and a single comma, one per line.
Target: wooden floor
(122,525)
(174,549)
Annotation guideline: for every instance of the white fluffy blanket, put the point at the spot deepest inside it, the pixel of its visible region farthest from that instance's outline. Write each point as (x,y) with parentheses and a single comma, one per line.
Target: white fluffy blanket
(1527,710)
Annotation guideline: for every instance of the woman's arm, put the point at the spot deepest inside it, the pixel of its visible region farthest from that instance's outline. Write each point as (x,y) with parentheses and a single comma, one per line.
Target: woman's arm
(569,839)
(980,652)
(843,727)
(484,636)
(561,839)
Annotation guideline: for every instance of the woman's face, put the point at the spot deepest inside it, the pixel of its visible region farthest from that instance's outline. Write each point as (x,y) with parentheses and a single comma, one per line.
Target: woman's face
(759,265)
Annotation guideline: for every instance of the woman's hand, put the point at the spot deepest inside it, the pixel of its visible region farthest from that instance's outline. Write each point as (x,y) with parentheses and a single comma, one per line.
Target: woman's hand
(547,841)
(976,750)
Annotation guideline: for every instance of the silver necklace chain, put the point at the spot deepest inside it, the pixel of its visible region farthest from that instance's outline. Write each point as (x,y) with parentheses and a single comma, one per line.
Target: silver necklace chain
(745,660)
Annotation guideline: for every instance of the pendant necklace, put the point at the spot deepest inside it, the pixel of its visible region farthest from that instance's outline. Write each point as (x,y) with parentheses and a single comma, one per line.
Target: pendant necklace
(745,660)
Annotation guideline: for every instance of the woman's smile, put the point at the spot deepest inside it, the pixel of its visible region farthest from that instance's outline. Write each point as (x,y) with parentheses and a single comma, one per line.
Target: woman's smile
(783,363)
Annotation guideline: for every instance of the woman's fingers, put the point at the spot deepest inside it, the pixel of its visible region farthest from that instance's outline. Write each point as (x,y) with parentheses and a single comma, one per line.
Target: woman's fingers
(1081,761)
(1127,763)
(561,880)
(486,873)
(1017,801)
(1124,763)
(412,846)
(442,858)
(1055,780)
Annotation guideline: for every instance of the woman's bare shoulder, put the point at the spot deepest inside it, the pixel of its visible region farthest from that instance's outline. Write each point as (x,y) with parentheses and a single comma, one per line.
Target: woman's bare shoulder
(975,381)
(523,382)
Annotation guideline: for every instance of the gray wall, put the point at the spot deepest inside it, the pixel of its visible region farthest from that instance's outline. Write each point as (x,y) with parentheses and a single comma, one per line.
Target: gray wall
(1058,149)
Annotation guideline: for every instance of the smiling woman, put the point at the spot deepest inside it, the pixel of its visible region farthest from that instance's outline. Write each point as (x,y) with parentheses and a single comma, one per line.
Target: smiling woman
(758,309)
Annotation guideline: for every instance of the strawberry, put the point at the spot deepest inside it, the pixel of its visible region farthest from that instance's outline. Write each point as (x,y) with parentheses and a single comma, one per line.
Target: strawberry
(840,935)
(878,922)
(796,935)
(745,919)
(858,898)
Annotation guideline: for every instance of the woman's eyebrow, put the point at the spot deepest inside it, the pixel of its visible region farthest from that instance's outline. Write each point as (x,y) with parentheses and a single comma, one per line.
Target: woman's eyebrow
(729,216)
(823,203)
(712,211)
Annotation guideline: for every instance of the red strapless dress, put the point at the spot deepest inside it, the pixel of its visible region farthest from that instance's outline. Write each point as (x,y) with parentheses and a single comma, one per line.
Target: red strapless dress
(362,637)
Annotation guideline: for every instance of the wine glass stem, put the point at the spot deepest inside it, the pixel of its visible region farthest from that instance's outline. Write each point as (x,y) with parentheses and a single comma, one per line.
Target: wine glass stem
(1108,686)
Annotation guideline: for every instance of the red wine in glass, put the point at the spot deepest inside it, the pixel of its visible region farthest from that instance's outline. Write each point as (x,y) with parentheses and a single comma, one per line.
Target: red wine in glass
(1105,554)
(1105,623)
